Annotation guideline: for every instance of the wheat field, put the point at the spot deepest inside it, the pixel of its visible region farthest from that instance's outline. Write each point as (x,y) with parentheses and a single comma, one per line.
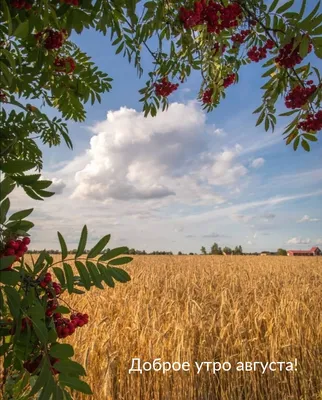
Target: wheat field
(205,308)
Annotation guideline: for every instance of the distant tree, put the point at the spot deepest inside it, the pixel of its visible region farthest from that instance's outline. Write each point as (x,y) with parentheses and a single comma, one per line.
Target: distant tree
(215,249)
(281,252)
(203,250)
(132,251)
(179,253)
(238,250)
(227,250)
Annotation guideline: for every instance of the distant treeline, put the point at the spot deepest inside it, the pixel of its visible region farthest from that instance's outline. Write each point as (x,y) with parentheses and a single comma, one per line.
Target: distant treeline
(214,250)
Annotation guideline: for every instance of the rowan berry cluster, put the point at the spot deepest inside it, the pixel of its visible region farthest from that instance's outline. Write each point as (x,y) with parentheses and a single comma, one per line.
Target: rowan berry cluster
(240,37)
(206,96)
(164,88)
(24,323)
(66,327)
(217,47)
(216,16)
(51,39)
(21,4)
(32,365)
(299,96)
(51,307)
(15,248)
(288,57)
(259,53)
(229,80)
(65,65)
(312,122)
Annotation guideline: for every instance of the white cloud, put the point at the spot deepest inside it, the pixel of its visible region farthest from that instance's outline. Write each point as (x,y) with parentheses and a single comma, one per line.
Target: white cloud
(257,163)
(250,242)
(225,169)
(318,241)
(298,240)
(306,218)
(137,158)
(57,186)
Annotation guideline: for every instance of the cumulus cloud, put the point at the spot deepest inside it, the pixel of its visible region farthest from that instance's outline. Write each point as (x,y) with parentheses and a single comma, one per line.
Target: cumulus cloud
(318,241)
(225,169)
(258,162)
(136,158)
(57,186)
(306,218)
(299,240)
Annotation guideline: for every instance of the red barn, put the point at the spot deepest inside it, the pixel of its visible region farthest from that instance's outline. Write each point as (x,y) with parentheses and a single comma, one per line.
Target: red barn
(315,251)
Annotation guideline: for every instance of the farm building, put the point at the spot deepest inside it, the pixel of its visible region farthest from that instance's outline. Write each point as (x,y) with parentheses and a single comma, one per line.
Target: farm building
(314,251)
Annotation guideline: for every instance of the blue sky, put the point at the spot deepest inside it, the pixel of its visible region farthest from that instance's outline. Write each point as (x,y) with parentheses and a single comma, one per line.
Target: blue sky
(183,179)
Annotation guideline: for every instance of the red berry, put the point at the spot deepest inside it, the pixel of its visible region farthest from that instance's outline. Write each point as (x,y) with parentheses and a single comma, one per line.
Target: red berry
(23,248)
(26,241)
(20,253)
(299,96)
(289,57)
(12,244)
(10,252)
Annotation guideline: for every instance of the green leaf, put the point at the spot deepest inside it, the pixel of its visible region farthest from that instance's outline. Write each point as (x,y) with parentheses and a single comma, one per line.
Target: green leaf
(22,30)
(60,275)
(120,48)
(70,367)
(21,214)
(311,138)
(306,23)
(14,166)
(26,179)
(37,312)
(6,187)
(113,253)
(106,274)
(260,118)
(120,261)
(304,46)
(13,300)
(9,277)
(82,242)
(317,31)
(62,310)
(40,329)
(61,350)
(62,246)
(74,383)
(5,262)
(305,145)
(40,261)
(288,113)
(86,279)
(47,390)
(302,10)
(99,247)
(43,377)
(69,277)
(31,193)
(120,275)
(285,7)
(95,275)
(273,5)
(4,208)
